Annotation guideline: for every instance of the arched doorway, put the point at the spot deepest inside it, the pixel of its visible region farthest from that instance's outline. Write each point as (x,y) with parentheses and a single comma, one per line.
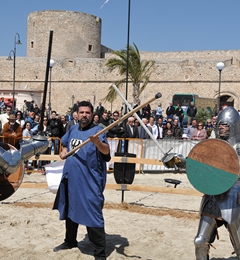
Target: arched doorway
(226,100)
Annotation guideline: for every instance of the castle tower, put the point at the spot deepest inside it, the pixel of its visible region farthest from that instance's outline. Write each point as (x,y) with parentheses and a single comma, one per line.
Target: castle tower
(75,35)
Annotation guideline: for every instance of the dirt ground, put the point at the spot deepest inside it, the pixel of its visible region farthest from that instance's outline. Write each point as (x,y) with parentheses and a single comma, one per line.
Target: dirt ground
(147,225)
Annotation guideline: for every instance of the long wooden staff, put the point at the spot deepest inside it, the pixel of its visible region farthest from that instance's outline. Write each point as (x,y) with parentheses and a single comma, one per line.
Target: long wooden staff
(158,95)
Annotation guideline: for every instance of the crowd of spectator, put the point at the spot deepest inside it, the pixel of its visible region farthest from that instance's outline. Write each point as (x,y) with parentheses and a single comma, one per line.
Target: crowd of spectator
(20,125)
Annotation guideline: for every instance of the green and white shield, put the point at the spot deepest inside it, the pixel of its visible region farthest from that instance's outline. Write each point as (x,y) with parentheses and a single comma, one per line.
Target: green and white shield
(212,166)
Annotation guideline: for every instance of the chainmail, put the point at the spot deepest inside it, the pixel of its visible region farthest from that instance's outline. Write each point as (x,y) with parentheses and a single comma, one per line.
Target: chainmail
(211,208)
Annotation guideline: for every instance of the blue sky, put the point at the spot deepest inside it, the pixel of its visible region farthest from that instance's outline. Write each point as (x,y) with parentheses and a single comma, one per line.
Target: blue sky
(156,25)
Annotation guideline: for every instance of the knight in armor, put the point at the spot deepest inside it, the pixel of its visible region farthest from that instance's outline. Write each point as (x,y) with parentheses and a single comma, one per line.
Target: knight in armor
(222,209)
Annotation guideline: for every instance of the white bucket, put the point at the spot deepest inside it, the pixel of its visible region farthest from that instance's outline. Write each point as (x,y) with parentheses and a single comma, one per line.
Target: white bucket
(54,175)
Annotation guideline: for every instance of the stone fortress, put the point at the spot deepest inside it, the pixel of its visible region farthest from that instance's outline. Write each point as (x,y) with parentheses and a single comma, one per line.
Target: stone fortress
(80,72)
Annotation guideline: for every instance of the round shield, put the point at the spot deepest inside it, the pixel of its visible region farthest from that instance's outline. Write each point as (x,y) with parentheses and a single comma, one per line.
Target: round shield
(10,183)
(212,166)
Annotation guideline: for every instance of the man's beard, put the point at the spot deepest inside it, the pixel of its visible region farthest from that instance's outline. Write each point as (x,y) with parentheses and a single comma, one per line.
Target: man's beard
(84,121)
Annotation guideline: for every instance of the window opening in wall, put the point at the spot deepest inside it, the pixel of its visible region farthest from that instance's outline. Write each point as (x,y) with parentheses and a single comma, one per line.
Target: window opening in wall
(90,47)
(32,45)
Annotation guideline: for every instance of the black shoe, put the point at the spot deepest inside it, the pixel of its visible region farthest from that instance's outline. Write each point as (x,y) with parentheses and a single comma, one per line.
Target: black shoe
(63,246)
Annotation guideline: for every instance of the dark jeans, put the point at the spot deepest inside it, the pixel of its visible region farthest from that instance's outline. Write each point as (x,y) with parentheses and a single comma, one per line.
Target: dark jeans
(96,237)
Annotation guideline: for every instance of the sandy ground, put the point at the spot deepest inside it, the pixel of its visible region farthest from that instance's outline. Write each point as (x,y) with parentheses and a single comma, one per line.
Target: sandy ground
(147,226)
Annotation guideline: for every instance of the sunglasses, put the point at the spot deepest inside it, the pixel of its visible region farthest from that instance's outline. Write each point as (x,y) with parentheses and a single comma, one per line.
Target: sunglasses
(44,119)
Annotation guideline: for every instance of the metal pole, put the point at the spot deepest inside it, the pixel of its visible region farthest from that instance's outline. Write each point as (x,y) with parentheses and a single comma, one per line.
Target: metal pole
(14,74)
(219,90)
(127,63)
(127,66)
(46,78)
(50,90)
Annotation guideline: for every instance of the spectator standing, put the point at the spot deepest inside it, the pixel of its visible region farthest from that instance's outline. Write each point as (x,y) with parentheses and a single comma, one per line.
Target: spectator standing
(64,124)
(72,122)
(25,109)
(30,118)
(179,114)
(69,116)
(160,129)
(200,133)
(9,103)
(46,131)
(100,109)
(20,120)
(96,119)
(191,112)
(142,132)
(31,106)
(26,136)
(153,126)
(117,130)
(2,105)
(36,110)
(139,112)
(146,111)
(131,129)
(4,117)
(104,119)
(87,168)
(136,122)
(12,132)
(190,129)
(159,111)
(168,126)
(56,131)
(170,111)
(176,129)
(75,106)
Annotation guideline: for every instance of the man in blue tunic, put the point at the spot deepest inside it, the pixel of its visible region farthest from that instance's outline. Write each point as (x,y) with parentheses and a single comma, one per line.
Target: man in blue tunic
(80,195)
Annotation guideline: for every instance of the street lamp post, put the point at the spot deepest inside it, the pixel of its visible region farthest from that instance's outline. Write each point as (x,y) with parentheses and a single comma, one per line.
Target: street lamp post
(73,98)
(14,52)
(51,65)
(220,66)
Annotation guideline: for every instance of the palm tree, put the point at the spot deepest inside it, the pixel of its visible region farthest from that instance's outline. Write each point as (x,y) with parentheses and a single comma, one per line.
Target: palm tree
(139,71)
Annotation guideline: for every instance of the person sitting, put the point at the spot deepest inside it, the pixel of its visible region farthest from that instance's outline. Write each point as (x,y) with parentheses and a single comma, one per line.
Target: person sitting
(168,134)
(177,130)
(185,137)
(200,133)
(12,132)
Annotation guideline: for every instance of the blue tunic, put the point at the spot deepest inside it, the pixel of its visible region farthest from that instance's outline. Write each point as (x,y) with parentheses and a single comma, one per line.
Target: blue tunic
(80,194)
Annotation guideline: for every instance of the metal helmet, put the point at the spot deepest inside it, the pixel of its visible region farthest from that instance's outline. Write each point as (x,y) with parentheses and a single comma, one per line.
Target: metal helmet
(230,117)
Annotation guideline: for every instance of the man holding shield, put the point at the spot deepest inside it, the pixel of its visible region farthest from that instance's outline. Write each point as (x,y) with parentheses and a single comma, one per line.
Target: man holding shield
(221,208)
(80,195)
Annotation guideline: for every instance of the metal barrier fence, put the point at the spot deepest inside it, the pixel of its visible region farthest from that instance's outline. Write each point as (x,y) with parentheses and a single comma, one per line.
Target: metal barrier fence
(151,151)
(134,145)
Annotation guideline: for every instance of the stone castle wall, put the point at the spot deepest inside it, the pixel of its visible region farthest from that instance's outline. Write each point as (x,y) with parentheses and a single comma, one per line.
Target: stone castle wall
(90,79)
